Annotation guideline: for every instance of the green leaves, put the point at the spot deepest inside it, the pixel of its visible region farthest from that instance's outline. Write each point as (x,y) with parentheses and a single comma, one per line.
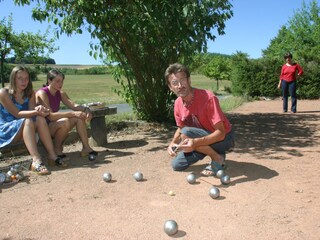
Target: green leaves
(24,45)
(142,38)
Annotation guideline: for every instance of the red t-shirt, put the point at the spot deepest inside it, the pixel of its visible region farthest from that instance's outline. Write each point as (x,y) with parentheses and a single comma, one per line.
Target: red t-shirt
(204,112)
(288,72)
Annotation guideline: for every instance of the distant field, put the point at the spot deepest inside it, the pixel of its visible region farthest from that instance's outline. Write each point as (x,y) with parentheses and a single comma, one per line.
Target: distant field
(87,88)
(100,88)
(72,66)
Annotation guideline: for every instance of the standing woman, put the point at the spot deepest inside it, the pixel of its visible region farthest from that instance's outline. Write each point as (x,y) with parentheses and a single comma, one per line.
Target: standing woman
(60,123)
(290,71)
(20,119)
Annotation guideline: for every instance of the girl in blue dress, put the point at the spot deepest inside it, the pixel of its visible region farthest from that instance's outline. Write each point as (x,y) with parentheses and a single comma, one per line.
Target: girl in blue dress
(20,119)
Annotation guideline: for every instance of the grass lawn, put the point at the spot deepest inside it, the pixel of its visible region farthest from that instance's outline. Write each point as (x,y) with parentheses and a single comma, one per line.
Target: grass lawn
(100,88)
(88,88)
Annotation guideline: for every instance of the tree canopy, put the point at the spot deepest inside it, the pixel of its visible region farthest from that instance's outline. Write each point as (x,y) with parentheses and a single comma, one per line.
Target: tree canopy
(142,38)
(22,46)
(301,37)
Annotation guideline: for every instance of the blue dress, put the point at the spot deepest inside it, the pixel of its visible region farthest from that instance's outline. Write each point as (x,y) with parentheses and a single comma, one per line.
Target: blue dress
(10,125)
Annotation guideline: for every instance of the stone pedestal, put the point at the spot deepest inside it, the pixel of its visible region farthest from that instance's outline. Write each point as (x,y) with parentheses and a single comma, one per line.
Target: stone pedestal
(98,125)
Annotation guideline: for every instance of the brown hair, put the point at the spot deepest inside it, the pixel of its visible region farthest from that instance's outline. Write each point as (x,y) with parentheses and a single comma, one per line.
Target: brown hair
(175,68)
(288,54)
(27,93)
(52,74)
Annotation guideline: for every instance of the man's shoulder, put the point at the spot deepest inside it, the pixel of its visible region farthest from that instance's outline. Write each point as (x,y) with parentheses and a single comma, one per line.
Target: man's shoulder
(204,93)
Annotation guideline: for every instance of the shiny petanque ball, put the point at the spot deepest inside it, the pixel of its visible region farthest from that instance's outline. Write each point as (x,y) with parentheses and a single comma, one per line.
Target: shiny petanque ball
(220,173)
(138,176)
(191,178)
(14,170)
(214,192)
(10,173)
(19,176)
(92,157)
(2,177)
(225,180)
(170,227)
(8,179)
(17,167)
(107,177)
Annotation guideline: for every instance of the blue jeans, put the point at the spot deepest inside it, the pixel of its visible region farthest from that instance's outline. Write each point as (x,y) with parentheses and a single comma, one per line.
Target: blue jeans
(183,160)
(289,87)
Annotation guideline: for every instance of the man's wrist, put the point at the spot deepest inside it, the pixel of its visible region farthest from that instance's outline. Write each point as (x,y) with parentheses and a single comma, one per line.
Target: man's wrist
(199,141)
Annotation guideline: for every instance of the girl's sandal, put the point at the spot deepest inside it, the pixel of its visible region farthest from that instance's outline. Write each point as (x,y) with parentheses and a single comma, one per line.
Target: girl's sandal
(84,154)
(64,157)
(39,168)
(58,162)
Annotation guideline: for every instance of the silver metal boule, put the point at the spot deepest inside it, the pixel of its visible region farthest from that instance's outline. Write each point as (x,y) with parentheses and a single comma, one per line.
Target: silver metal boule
(13,170)
(191,178)
(8,179)
(214,192)
(92,157)
(19,176)
(225,180)
(170,227)
(220,173)
(138,176)
(2,177)
(107,177)
(10,173)
(17,167)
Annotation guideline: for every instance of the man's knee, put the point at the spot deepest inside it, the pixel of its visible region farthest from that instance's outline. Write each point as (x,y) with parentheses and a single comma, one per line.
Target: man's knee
(178,166)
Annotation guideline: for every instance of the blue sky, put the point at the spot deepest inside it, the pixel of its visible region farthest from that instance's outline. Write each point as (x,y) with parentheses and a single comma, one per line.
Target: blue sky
(250,30)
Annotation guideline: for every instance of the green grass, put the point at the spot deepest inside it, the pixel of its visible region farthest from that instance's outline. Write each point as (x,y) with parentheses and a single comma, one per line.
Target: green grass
(99,88)
(203,82)
(87,88)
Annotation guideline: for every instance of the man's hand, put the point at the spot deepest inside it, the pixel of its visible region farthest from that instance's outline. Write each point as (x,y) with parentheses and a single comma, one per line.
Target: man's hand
(187,145)
(173,147)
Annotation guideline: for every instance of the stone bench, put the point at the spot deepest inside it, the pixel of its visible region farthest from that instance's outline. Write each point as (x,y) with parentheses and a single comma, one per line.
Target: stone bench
(98,124)
(98,133)
(13,149)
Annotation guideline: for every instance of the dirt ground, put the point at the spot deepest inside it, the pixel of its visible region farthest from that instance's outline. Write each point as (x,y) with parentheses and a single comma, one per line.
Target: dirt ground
(273,194)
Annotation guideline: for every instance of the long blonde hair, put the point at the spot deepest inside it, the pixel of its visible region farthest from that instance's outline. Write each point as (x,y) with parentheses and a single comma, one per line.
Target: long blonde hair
(27,93)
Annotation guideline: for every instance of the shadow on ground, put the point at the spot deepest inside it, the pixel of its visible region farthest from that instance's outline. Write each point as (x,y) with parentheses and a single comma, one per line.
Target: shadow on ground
(263,134)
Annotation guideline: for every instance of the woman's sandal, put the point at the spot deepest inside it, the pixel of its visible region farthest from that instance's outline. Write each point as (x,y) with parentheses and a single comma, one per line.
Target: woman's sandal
(84,154)
(64,157)
(58,162)
(39,168)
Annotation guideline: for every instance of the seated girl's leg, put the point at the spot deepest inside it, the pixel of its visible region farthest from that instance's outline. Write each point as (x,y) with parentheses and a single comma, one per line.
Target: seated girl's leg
(45,137)
(29,137)
(60,130)
(83,135)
